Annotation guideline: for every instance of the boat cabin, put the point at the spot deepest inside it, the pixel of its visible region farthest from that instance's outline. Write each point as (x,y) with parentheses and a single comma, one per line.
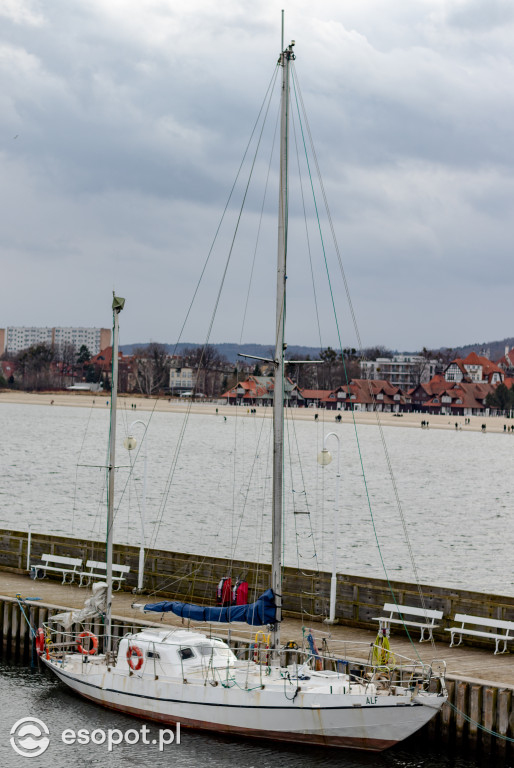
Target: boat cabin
(172,652)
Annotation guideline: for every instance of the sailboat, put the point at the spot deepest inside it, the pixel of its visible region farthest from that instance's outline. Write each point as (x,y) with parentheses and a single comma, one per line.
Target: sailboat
(186,676)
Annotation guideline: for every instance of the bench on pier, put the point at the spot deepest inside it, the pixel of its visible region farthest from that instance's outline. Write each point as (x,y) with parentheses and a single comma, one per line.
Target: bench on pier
(68,566)
(481,621)
(96,570)
(397,615)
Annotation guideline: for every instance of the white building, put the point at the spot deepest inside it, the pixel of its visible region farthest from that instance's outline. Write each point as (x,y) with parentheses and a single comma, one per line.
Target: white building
(404,371)
(15,339)
(182,379)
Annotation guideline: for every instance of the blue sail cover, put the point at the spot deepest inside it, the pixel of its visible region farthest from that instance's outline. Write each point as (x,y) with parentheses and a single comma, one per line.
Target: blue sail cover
(263,611)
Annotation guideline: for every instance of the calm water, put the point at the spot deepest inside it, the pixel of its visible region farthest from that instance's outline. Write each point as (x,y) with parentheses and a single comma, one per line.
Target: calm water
(212,496)
(40,695)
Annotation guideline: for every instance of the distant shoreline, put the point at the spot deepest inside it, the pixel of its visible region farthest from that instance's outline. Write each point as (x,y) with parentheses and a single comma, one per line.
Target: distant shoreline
(163,405)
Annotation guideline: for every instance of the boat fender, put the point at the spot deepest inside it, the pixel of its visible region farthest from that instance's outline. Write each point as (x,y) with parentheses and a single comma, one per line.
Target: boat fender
(40,641)
(93,643)
(134,657)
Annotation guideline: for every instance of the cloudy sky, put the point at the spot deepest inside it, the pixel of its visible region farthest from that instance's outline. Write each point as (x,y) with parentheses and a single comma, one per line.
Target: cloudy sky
(123,124)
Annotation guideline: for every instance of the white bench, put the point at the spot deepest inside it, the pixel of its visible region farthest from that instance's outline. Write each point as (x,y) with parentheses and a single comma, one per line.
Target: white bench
(58,564)
(96,570)
(395,611)
(480,621)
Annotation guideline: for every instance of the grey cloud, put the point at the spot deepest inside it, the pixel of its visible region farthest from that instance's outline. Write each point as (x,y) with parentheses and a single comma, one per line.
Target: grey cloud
(132,119)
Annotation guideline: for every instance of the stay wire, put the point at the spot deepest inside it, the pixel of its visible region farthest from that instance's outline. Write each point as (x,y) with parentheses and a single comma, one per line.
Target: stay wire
(352,312)
(307,230)
(267,100)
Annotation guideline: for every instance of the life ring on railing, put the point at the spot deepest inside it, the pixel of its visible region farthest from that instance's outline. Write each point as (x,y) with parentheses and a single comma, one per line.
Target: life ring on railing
(40,641)
(94,643)
(134,657)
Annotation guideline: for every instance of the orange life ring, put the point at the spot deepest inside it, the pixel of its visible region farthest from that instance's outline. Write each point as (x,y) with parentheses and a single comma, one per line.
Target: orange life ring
(94,643)
(134,657)
(40,640)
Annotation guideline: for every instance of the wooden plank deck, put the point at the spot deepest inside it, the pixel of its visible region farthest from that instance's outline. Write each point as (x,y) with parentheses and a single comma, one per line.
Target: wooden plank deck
(463,662)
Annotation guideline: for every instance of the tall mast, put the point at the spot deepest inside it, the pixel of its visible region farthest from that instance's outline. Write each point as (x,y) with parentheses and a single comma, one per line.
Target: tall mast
(286,57)
(117,306)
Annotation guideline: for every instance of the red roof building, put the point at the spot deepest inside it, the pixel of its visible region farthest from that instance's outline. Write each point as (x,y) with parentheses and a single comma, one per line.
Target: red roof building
(258,390)
(474,368)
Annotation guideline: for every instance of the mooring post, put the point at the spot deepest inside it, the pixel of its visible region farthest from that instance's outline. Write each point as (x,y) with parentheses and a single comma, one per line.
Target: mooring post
(504,704)
(8,630)
(461,702)
(447,712)
(489,714)
(29,541)
(475,712)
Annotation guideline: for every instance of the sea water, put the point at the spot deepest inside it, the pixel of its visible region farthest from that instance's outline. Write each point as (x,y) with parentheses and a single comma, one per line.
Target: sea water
(38,694)
(208,493)
(442,515)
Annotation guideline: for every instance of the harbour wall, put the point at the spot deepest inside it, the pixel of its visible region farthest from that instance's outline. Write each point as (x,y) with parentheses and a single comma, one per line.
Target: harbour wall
(306,594)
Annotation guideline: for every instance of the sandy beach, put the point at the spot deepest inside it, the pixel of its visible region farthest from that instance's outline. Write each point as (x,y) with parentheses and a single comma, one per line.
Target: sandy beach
(127,402)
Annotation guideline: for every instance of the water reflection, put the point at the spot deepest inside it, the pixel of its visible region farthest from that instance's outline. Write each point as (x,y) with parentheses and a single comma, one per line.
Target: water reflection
(39,694)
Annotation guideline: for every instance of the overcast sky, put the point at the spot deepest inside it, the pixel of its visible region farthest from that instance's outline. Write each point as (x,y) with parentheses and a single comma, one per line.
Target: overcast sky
(123,124)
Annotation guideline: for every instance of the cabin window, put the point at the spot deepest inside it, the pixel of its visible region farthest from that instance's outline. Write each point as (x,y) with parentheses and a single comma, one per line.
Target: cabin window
(186,653)
(152,655)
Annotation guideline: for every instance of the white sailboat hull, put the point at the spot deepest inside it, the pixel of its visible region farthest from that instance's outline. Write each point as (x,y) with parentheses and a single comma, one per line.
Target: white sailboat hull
(362,722)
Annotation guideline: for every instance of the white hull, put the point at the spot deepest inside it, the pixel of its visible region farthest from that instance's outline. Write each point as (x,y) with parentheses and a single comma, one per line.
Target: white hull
(368,722)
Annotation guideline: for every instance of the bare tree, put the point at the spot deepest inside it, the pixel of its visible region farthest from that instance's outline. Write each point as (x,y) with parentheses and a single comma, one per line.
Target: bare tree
(152,367)
(66,357)
(34,364)
(210,367)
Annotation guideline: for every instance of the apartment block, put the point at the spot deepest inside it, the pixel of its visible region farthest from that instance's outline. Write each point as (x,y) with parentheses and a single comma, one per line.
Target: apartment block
(15,339)
(404,371)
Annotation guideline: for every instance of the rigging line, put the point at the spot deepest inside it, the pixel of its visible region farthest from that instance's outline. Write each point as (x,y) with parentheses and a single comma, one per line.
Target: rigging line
(132,464)
(294,503)
(186,416)
(99,510)
(247,490)
(306,229)
(315,555)
(395,490)
(260,223)
(169,480)
(234,479)
(484,728)
(77,470)
(236,230)
(356,328)
(266,99)
(265,490)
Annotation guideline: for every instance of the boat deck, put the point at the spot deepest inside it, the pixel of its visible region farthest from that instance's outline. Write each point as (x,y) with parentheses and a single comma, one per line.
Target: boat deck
(463,662)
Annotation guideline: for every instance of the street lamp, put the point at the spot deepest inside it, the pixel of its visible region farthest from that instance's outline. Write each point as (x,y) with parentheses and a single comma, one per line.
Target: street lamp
(130,443)
(324,458)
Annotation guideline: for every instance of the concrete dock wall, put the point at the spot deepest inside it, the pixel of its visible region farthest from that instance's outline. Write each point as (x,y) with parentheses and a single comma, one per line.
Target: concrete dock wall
(194,578)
